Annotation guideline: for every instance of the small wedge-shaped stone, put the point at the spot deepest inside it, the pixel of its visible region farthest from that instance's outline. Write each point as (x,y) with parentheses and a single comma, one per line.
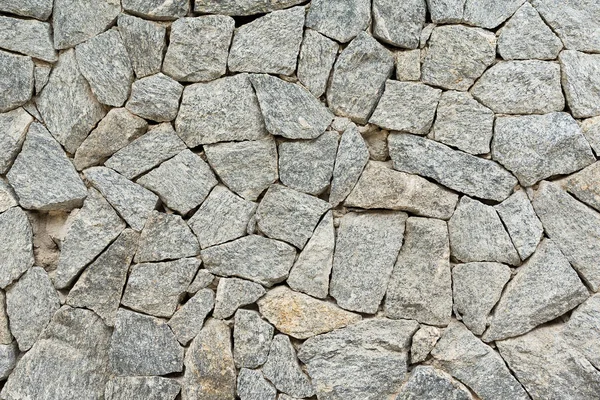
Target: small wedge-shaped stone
(182,182)
(187,321)
(585,185)
(233,293)
(67,104)
(544,288)
(462,122)
(252,385)
(29,37)
(146,152)
(399,24)
(477,234)
(143,345)
(459,171)
(521,87)
(283,370)
(364,361)
(247,168)
(290,110)
(340,20)
(241,7)
(253,257)
(8,359)
(202,280)
(582,331)
(141,388)
(573,227)
(351,158)
(100,286)
(317,56)
(426,382)
(75,21)
(8,198)
(157,9)
(16,81)
(288,215)
(16,244)
(155,97)
(269,44)
(380,186)
(198,48)
(40,9)
(302,316)
(310,273)
(104,62)
(42,176)
(423,342)
(476,364)
(93,228)
(13,129)
(367,247)
(359,77)
(69,361)
(157,288)
(252,339)
(145,43)
(133,203)
(477,288)
(30,304)
(420,285)
(221,110)
(580,82)
(166,237)
(41,73)
(473,50)
(209,368)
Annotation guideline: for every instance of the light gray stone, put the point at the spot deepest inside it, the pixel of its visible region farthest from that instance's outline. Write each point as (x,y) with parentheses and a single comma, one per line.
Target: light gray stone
(581,332)
(454,169)
(233,293)
(477,234)
(310,273)
(408,65)
(489,13)
(253,257)
(141,388)
(464,123)
(446,11)
(367,247)
(16,80)
(8,198)
(16,243)
(317,55)
(29,37)
(188,320)
(523,226)
(41,74)
(209,368)
(426,382)
(157,9)
(573,227)
(252,385)
(89,232)
(591,130)
(143,345)
(8,359)
(580,82)
(477,287)
(283,370)
(75,22)
(67,104)
(358,78)
(202,280)
(247,168)
(145,43)
(159,144)
(157,288)
(241,7)
(155,97)
(198,48)
(473,50)
(269,44)
(420,286)
(69,361)
(288,215)
(133,203)
(251,339)
(100,286)
(40,9)
(222,110)
(5,335)
(42,176)
(423,342)
(13,129)
(364,361)
(351,158)
(399,24)
(584,185)
(338,19)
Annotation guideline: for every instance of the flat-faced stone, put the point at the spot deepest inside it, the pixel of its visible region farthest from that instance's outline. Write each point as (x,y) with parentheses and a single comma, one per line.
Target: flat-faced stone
(141,388)
(241,7)
(584,185)
(233,293)
(423,342)
(166,237)
(157,9)
(473,50)
(463,122)
(188,320)
(8,359)
(75,22)
(446,11)
(338,19)
(13,129)
(198,48)
(489,13)
(358,78)
(582,332)
(16,243)
(408,65)
(133,203)
(283,370)
(316,59)
(41,74)
(145,43)
(580,82)
(155,97)
(100,286)
(29,37)
(8,198)
(247,168)
(40,9)
(16,81)
(252,385)
(42,176)
(253,257)
(399,24)
(351,158)
(159,144)
(251,338)
(366,248)
(429,383)
(222,110)
(67,104)
(202,280)
(454,169)
(6,337)
(591,130)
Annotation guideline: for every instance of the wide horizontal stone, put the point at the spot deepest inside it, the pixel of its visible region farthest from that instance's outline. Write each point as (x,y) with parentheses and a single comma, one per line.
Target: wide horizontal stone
(29,37)
(141,388)
(338,19)
(74,23)
(155,97)
(16,243)
(489,13)
(241,7)
(40,9)
(145,43)
(317,55)
(157,9)
(14,125)
(252,385)
(580,83)
(17,87)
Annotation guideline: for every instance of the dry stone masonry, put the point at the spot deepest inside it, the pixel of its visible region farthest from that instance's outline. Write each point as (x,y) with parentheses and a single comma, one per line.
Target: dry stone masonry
(299,200)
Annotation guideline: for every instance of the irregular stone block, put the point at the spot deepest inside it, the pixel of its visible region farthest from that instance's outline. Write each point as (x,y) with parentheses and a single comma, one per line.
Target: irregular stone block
(141,388)
(446,11)
(145,43)
(155,97)
(29,37)
(166,237)
(40,9)
(241,7)
(202,280)
(8,359)
(251,338)
(489,13)
(408,65)
(316,59)
(423,342)
(430,383)
(580,82)
(252,385)
(13,129)
(75,22)
(233,293)
(583,185)
(16,86)
(591,130)
(16,243)
(399,24)
(8,198)
(338,19)
(188,320)
(581,332)
(157,9)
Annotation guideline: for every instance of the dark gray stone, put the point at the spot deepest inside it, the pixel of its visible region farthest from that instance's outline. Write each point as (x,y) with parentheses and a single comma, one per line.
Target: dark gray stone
(155,97)
(16,243)
(145,43)
(338,19)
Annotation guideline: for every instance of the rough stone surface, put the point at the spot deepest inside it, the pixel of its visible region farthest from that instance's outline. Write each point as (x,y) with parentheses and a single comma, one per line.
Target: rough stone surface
(16,243)
(13,129)
(16,81)
(446,11)
(28,8)
(29,37)
(316,59)
(251,338)
(145,43)
(423,342)
(8,198)
(166,237)
(155,97)
(241,7)
(430,383)
(583,185)
(366,249)
(283,370)
(580,82)
(338,19)
(252,385)
(202,280)
(233,293)
(408,65)
(141,388)
(41,74)
(8,359)
(489,13)
(582,332)
(187,321)
(399,24)
(157,9)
